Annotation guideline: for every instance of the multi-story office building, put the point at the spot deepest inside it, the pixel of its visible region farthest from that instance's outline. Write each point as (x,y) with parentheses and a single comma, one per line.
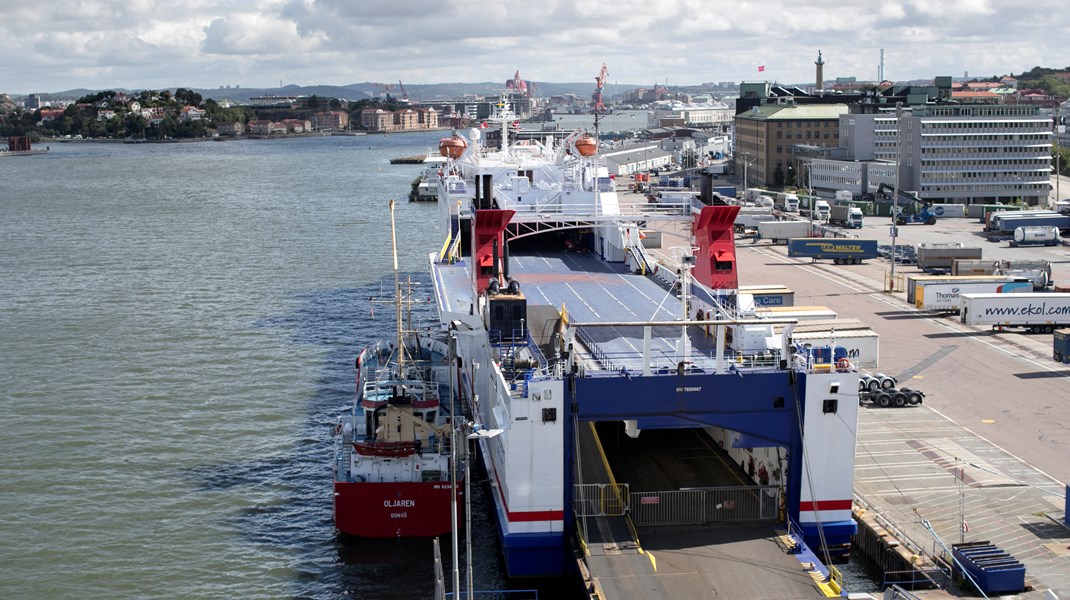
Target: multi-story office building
(953,153)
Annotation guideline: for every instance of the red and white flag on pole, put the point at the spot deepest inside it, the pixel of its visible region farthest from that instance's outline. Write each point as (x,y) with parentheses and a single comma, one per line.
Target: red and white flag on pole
(761,68)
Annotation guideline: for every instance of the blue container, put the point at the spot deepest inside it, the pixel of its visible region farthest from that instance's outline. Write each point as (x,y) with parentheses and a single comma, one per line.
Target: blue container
(994,570)
(1061,346)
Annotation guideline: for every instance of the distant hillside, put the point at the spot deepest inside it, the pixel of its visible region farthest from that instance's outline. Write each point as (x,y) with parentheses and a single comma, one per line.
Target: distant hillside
(360,91)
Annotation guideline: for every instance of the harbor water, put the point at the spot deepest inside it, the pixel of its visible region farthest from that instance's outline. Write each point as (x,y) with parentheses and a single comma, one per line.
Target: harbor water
(178,325)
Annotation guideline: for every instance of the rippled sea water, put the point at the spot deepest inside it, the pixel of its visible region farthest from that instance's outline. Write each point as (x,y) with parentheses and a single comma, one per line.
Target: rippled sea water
(177,330)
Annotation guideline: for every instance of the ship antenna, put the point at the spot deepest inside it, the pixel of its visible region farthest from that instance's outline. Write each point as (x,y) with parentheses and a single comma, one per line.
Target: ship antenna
(397,289)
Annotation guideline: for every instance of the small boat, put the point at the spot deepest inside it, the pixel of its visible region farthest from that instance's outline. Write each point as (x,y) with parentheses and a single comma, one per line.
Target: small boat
(392,462)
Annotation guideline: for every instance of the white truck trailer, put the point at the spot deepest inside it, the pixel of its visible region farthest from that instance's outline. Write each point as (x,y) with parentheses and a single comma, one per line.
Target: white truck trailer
(1038,313)
(944,296)
(782,231)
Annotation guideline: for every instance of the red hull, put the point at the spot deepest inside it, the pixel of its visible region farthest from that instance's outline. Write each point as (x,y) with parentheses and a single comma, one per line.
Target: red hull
(385,510)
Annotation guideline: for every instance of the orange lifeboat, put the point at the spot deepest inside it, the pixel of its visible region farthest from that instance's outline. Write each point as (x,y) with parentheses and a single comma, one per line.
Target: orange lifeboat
(586,146)
(452,147)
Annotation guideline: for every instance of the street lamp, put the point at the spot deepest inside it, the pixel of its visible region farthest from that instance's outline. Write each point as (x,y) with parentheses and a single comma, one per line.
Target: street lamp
(746,162)
(895,187)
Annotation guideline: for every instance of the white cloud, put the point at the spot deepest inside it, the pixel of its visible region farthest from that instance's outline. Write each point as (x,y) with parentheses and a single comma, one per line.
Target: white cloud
(206,43)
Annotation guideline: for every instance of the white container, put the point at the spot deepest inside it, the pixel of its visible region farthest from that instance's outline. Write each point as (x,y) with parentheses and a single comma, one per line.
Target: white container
(1036,236)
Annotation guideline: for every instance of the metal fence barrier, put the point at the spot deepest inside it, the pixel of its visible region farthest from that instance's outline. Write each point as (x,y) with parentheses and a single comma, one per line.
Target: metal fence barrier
(705,505)
(601,500)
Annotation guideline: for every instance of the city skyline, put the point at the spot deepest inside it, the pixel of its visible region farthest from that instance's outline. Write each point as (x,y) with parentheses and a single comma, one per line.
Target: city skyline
(151,44)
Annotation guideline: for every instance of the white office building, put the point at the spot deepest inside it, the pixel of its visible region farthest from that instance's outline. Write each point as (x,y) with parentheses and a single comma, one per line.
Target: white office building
(954,153)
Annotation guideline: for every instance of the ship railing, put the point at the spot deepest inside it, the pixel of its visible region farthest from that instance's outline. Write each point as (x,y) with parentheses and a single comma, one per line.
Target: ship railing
(663,362)
(628,211)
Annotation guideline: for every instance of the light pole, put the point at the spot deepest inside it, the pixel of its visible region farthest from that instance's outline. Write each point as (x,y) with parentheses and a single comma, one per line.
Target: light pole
(895,187)
(472,432)
(453,468)
(810,192)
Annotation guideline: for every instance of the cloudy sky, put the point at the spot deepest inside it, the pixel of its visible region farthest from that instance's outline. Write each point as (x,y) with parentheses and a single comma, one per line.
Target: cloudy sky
(53,45)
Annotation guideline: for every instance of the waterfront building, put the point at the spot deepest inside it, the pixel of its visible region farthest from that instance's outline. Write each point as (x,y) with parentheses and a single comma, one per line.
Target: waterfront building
(406,119)
(332,119)
(714,115)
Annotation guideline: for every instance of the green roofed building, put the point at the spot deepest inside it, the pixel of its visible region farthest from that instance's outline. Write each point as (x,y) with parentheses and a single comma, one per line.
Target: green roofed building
(766,134)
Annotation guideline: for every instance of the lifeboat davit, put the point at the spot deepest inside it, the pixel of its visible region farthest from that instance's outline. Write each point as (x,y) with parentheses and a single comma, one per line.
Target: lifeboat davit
(586,146)
(452,147)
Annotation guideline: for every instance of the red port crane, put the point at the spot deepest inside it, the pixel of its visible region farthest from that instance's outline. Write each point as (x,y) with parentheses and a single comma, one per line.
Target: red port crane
(600,83)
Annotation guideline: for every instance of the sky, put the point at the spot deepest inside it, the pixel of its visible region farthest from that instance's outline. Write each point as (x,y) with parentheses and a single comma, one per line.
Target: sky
(56,45)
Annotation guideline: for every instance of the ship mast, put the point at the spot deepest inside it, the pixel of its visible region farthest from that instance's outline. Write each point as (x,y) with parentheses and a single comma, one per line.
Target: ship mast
(397,290)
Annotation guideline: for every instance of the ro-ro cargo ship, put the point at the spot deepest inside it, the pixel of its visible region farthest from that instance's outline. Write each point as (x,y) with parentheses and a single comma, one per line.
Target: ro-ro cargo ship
(562,317)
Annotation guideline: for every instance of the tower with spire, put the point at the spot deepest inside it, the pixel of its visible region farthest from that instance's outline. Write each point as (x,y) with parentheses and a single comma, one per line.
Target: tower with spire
(820,62)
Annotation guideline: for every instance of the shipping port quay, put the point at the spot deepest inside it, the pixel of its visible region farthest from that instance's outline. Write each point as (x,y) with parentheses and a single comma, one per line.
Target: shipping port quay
(984,459)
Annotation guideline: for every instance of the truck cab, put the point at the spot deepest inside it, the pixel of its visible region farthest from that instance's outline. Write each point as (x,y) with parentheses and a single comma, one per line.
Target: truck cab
(821,210)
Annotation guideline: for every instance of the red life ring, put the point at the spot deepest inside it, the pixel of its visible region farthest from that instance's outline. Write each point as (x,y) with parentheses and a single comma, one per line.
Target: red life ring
(843,364)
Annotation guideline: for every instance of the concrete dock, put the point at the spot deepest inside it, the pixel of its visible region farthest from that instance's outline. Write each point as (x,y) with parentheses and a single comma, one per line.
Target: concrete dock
(989,446)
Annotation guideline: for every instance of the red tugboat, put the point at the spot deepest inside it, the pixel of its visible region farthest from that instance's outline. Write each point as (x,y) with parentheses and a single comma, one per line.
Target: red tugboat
(392,450)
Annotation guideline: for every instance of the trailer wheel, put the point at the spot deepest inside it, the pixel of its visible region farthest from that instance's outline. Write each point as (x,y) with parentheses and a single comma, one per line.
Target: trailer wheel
(1048,329)
(900,399)
(874,385)
(862,384)
(884,400)
(931,221)
(888,384)
(914,397)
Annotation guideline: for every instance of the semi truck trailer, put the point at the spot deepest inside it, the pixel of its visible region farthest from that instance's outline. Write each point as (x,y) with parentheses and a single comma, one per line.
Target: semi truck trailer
(1038,313)
(846,215)
(842,251)
(939,295)
(782,231)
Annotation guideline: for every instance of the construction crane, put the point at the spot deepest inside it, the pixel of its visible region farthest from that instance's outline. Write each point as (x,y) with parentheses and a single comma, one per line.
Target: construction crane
(518,85)
(404,94)
(597,102)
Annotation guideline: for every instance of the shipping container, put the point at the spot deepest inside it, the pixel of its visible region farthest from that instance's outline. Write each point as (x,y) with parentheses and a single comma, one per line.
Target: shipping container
(803,313)
(940,255)
(1061,346)
(769,295)
(782,231)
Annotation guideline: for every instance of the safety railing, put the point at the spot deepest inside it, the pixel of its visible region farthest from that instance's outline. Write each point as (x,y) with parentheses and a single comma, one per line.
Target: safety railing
(664,362)
(702,506)
(600,499)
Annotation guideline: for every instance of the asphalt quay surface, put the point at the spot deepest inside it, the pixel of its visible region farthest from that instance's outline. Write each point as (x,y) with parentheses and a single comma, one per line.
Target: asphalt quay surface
(990,444)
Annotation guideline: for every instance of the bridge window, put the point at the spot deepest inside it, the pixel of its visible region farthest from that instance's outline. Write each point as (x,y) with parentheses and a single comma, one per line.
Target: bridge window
(829,406)
(722,266)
